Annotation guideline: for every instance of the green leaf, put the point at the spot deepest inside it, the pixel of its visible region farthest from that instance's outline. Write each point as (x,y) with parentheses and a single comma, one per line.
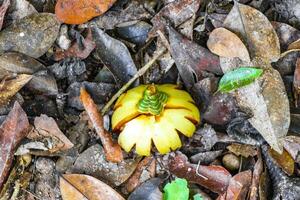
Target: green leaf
(176,190)
(198,197)
(238,78)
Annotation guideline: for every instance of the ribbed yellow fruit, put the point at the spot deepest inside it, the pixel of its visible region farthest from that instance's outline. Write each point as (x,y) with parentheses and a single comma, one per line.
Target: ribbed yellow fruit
(154,113)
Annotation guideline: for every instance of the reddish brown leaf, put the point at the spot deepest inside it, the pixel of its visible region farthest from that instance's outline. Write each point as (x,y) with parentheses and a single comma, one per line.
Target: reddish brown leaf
(3,9)
(46,127)
(134,181)
(284,160)
(112,150)
(76,51)
(296,82)
(239,186)
(80,11)
(214,178)
(79,186)
(258,169)
(12,131)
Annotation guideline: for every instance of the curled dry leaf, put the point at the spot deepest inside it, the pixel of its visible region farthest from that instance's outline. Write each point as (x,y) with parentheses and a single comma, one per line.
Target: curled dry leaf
(42,80)
(12,131)
(115,55)
(256,30)
(214,178)
(8,88)
(79,186)
(227,44)
(76,51)
(3,10)
(191,59)
(80,11)
(112,150)
(41,29)
(46,128)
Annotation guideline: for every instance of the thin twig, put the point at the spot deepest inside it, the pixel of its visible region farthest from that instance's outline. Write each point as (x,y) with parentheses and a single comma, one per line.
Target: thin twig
(198,171)
(127,85)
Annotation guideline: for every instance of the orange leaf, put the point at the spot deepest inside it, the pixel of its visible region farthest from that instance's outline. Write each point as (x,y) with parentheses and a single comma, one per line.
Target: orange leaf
(113,152)
(284,160)
(79,186)
(81,11)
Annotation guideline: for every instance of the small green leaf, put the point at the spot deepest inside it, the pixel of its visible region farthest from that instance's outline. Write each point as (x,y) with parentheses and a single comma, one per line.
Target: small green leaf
(238,78)
(176,190)
(198,197)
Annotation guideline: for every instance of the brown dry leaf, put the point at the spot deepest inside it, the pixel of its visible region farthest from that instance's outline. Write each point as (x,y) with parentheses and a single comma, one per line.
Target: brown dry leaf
(242,149)
(284,160)
(3,9)
(239,186)
(80,11)
(12,131)
(227,44)
(76,51)
(257,171)
(296,83)
(46,128)
(113,151)
(292,146)
(256,30)
(8,88)
(294,45)
(80,187)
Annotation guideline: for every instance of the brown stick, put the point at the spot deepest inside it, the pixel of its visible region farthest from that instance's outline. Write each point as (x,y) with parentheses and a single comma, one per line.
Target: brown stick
(113,152)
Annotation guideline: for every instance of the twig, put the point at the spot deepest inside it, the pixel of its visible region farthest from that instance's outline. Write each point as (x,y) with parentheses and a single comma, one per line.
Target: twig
(136,76)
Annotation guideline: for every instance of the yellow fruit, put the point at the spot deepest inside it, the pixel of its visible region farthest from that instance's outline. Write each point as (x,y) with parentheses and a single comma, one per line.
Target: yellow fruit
(154,113)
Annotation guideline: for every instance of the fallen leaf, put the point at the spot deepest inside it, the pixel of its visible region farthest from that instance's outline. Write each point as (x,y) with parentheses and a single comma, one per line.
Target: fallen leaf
(115,55)
(207,157)
(292,146)
(177,12)
(94,162)
(134,11)
(284,160)
(12,131)
(238,78)
(214,178)
(80,11)
(177,189)
(3,9)
(227,44)
(41,29)
(191,59)
(47,129)
(242,149)
(255,29)
(296,83)
(112,150)
(257,172)
(239,186)
(76,51)
(79,186)
(42,80)
(294,45)
(10,87)
(149,190)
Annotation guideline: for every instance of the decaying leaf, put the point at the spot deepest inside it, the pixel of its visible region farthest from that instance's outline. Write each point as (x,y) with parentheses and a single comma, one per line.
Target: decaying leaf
(76,51)
(42,80)
(8,88)
(226,44)
(3,10)
(79,186)
(191,59)
(47,129)
(80,11)
(242,149)
(238,78)
(148,191)
(112,150)
(284,160)
(115,55)
(12,131)
(256,30)
(292,146)
(296,82)
(257,172)
(215,178)
(41,29)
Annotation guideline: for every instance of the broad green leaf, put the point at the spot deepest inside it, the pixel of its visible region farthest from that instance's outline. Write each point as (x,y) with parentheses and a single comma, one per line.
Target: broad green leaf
(198,197)
(176,190)
(238,78)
